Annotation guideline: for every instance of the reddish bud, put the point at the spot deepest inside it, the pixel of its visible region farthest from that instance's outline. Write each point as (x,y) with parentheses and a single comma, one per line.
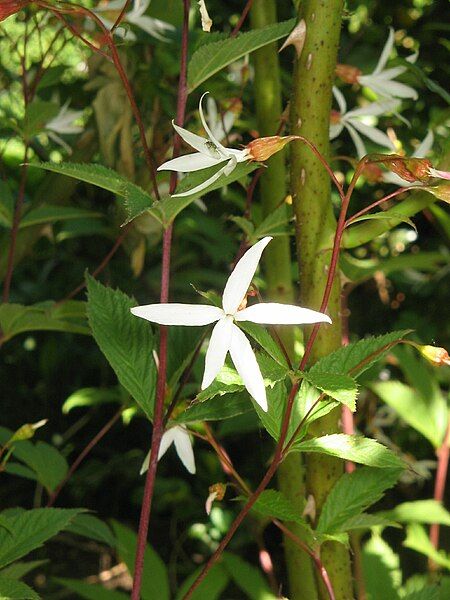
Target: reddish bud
(436,356)
(10,7)
(409,169)
(372,172)
(347,73)
(262,148)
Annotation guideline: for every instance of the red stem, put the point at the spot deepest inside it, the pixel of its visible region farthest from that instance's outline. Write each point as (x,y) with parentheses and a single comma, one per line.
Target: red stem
(242,18)
(440,482)
(158,417)
(95,440)
(367,209)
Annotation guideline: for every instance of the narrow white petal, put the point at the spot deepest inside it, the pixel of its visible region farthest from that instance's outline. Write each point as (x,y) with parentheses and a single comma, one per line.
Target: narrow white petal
(189,162)
(425,146)
(183,446)
(244,360)
(386,74)
(384,56)
(374,109)
(219,345)
(359,144)
(340,100)
(145,464)
(209,133)
(202,186)
(196,141)
(166,441)
(335,130)
(178,314)
(273,313)
(394,89)
(230,166)
(374,134)
(240,279)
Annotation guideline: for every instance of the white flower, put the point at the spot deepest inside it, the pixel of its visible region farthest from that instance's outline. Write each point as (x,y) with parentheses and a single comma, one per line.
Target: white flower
(353,122)
(178,436)
(421,151)
(136,16)
(219,125)
(381,80)
(64,121)
(210,152)
(226,336)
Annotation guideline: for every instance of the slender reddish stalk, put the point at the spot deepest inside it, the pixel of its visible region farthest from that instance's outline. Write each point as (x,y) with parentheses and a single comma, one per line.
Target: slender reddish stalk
(95,440)
(158,417)
(15,227)
(348,426)
(439,485)
(242,18)
(278,455)
(367,209)
(119,19)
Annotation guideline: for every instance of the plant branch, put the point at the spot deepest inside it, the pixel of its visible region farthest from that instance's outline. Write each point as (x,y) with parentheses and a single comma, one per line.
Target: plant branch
(242,18)
(439,487)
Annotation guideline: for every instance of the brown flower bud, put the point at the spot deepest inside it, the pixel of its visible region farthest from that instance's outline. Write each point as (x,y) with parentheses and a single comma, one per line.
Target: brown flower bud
(409,169)
(262,148)
(436,356)
(348,73)
(216,492)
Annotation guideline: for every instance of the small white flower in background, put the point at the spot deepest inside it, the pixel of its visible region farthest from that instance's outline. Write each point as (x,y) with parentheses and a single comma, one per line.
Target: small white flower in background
(421,151)
(226,336)
(63,124)
(178,436)
(154,27)
(381,80)
(353,121)
(206,19)
(210,152)
(219,125)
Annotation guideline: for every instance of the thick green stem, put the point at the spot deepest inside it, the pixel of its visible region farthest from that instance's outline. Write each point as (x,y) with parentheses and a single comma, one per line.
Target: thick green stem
(277,263)
(315,228)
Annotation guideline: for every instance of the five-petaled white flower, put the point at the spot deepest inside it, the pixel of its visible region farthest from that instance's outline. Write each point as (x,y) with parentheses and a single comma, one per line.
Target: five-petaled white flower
(226,336)
(178,436)
(210,152)
(352,121)
(381,79)
(136,16)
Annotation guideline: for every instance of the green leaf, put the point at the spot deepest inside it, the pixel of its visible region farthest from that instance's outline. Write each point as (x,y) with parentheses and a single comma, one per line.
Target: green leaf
(381,567)
(274,504)
(247,577)
(303,410)
(426,416)
(52,214)
(418,540)
(359,356)
(356,448)
(47,465)
(126,341)
(93,528)
(272,419)
(37,114)
(168,208)
(155,582)
(136,200)
(419,511)
(209,59)
(45,316)
(11,589)
(227,382)
(210,588)
(340,387)
(395,219)
(216,409)
(351,495)
(30,529)
(430,592)
(91,397)
(19,569)
(265,340)
(6,205)
(366,521)
(274,224)
(90,591)
(247,226)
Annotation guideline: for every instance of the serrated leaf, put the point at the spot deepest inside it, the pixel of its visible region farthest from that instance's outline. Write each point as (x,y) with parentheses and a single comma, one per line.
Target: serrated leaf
(216,409)
(45,463)
(425,416)
(69,317)
(247,577)
(305,399)
(340,387)
(11,589)
(418,540)
(52,214)
(419,511)
(211,587)
(366,521)
(209,59)
(167,209)
(265,340)
(274,504)
(155,582)
(356,448)
(90,591)
(351,495)
(274,224)
(227,381)
(91,397)
(31,528)
(244,224)
(126,341)
(359,356)
(136,200)
(93,528)
(19,569)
